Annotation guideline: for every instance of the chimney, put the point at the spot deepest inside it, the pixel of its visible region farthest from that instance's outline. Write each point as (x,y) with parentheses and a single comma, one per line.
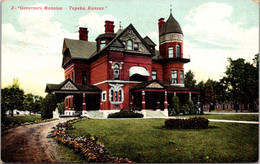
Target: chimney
(160,23)
(109,26)
(83,33)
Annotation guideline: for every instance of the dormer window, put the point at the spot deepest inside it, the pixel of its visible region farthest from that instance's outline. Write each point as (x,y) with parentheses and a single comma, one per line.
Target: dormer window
(136,46)
(129,45)
(178,50)
(170,52)
(102,44)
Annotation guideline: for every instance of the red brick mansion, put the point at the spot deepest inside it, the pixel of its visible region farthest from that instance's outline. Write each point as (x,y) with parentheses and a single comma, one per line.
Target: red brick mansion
(122,70)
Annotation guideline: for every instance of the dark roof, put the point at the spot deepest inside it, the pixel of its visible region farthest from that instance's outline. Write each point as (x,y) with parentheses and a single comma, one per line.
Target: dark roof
(120,33)
(170,26)
(106,35)
(166,85)
(149,41)
(57,87)
(144,84)
(175,88)
(157,55)
(80,49)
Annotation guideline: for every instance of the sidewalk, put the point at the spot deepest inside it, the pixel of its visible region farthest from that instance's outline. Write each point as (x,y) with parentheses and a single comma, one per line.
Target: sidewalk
(234,121)
(230,112)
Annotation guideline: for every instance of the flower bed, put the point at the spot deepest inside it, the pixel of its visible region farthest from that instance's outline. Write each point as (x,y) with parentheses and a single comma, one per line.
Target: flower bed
(88,147)
(187,123)
(12,125)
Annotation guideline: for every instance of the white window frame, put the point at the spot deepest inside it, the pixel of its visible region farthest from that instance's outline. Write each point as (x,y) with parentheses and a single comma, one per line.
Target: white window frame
(116,88)
(102,97)
(172,54)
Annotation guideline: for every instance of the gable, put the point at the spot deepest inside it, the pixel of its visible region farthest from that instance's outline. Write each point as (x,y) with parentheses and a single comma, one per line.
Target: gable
(69,86)
(154,85)
(130,34)
(117,45)
(66,57)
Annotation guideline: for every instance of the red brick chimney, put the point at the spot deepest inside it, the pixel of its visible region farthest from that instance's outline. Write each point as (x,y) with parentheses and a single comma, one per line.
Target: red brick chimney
(109,26)
(83,33)
(160,23)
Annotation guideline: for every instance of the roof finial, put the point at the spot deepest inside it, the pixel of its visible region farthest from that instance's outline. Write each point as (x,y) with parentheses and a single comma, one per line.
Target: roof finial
(120,27)
(171,9)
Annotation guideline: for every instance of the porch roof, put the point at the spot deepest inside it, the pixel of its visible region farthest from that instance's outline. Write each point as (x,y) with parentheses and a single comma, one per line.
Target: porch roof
(68,86)
(155,84)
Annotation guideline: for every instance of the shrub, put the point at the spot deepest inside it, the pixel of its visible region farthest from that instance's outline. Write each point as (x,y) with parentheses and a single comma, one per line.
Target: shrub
(48,105)
(184,109)
(174,110)
(187,123)
(190,106)
(125,114)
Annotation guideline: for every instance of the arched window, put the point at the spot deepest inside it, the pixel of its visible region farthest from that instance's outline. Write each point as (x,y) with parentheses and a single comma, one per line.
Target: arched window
(116,72)
(129,45)
(116,94)
(170,52)
(178,50)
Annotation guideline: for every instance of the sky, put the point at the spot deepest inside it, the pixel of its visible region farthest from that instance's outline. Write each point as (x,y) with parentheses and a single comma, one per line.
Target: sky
(32,40)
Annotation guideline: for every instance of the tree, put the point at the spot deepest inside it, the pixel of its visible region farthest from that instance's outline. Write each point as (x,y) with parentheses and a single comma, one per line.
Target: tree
(48,105)
(189,80)
(28,102)
(210,95)
(174,110)
(32,103)
(242,81)
(201,88)
(12,97)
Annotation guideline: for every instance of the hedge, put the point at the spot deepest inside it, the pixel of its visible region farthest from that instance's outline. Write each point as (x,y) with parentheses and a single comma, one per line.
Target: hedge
(125,114)
(187,123)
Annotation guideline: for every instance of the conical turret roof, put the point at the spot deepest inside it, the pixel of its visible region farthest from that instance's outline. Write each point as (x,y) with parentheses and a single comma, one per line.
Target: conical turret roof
(171,26)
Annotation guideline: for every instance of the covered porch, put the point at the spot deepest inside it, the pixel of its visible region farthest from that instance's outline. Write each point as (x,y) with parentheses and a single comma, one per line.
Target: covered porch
(155,95)
(78,99)
(150,95)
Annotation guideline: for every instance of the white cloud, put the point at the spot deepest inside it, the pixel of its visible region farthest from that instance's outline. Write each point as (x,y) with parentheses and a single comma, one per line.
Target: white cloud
(33,55)
(95,24)
(210,24)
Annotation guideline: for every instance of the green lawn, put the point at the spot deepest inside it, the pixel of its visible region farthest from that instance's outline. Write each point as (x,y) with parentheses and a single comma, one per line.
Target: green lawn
(7,120)
(241,117)
(146,140)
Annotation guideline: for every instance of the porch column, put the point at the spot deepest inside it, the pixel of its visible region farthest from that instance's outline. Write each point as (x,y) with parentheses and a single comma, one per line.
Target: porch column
(143,99)
(131,100)
(165,101)
(83,103)
(174,93)
(190,96)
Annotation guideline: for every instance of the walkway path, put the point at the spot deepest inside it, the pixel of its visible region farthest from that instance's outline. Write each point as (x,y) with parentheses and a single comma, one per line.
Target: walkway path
(229,113)
(26,144)
(234,121)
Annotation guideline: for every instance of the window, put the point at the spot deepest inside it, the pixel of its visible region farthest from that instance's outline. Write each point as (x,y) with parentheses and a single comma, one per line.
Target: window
(120,95)
(170,52)
(112,95)
(102,44)
(181,77)
(84,77)
(154,75)
(116,72)
(178,50)
(104,96)
(129,45)
(116,94)
(174,76)
(136,46)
